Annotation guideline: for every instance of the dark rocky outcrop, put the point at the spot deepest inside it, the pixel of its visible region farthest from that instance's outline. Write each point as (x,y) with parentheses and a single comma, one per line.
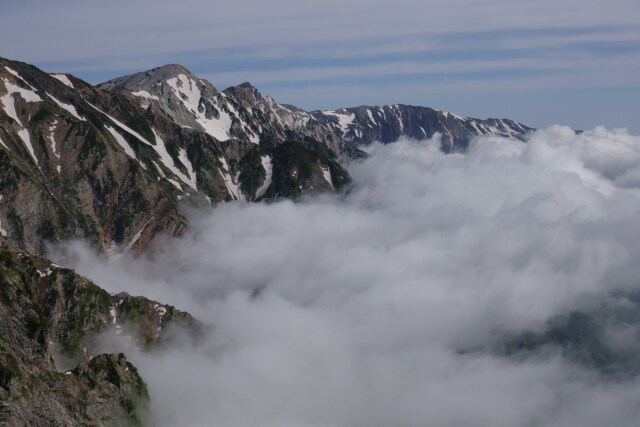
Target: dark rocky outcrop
(50,317)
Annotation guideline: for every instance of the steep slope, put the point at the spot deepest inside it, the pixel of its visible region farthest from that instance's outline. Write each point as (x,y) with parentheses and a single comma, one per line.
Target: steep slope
(69,170)
(279,122)
(239,112)
(388,123)
(50,317)
(188,100)
(81,162)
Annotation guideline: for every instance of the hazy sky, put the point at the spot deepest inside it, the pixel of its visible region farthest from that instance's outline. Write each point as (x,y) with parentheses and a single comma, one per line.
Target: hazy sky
(573,62)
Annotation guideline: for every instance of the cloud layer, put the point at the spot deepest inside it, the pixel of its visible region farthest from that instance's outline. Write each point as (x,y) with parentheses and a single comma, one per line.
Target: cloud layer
(378,307)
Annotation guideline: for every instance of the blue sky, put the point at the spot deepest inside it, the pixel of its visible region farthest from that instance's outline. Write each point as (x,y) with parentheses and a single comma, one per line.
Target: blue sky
(544,62)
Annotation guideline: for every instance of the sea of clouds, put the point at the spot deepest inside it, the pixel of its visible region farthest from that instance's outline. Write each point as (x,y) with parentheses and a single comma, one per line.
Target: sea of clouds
(380,306)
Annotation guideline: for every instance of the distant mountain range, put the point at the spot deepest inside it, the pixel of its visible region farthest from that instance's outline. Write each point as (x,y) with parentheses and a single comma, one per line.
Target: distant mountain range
(113,163)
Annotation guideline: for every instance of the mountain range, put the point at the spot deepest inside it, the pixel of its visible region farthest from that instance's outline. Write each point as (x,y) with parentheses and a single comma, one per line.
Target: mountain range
(113,163)
(116,164)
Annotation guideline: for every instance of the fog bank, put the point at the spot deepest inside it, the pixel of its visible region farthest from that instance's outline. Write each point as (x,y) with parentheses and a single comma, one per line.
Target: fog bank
(381,306)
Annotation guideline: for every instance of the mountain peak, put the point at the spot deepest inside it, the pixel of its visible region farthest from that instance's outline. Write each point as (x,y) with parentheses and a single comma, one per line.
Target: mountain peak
(245,91)
(144,79)
(170,69)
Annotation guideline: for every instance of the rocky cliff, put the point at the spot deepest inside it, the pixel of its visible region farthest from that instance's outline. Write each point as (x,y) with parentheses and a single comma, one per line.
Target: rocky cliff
(50,319)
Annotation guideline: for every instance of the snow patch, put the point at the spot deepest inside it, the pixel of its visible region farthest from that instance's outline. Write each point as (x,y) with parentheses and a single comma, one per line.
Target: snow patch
(184,159)
(136,237)
(67,107)
(8,104)
(15,73)
(52,139)
(172,181)
(146,95)
(161,310)
(230,183)
(122,126)
(267,164)
(168,161)
(326,173)
(64,79)
(123,142)
(446,114)
(26,94)
(52,129)
(370,115)
(8,101)
(344,120)
(186,89)
(26,138)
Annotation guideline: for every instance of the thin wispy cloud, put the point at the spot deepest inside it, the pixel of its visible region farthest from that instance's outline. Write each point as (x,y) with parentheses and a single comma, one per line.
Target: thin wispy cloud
(290,49)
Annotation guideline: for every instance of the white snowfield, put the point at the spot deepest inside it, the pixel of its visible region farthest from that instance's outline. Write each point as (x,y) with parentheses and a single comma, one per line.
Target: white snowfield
(344,120)
(122,125)
(230,182)
(446,114)
(15,73)
(146,95)
(326,173)
(167,160)
(64,79)
(52,140)
(67,107)
(136,237)
(123,142)
(8,100)
(267,164)
(189,92)
(8,103)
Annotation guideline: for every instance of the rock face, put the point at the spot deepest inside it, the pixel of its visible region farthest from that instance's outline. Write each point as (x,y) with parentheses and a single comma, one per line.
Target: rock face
(388,123)
(279,122)
(50,317)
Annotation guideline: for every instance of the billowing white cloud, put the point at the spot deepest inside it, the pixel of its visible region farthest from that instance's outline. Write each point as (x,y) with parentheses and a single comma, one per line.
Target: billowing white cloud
(376,307)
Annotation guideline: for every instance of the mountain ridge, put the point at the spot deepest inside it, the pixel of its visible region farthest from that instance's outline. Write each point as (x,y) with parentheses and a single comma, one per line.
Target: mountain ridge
(82,162)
